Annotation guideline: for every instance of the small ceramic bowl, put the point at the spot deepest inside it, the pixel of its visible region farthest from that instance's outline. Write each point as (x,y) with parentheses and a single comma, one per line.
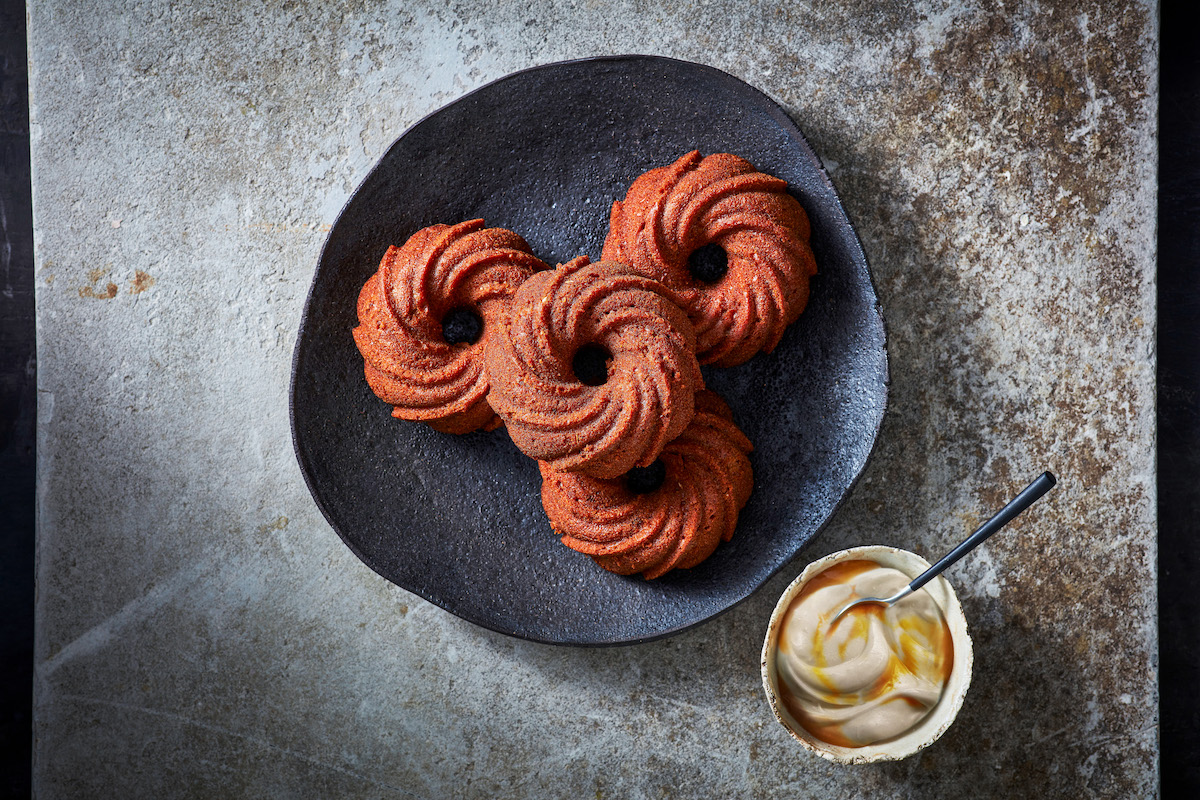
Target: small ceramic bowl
(927,731)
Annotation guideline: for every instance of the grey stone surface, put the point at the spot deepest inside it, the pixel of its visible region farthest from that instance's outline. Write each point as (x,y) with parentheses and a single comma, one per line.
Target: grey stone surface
(202,632)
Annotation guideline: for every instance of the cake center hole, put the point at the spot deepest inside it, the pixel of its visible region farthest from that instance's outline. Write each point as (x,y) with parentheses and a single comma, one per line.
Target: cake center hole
(591,364)
(643,480)
(461,326)
(708,264)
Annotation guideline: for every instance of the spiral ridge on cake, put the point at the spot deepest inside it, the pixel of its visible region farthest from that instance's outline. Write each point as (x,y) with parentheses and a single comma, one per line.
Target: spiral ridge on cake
(707,480)
(468,269)
(671,213)
(649,378)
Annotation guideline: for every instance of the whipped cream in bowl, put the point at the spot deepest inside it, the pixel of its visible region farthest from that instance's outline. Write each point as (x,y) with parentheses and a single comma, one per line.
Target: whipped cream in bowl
(880,683)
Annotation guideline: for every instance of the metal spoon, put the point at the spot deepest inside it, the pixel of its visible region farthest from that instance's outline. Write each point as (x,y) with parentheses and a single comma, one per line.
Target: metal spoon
(1028,496)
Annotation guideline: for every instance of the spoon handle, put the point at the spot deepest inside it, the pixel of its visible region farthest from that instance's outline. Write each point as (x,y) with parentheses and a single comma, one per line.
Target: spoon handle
(1028,496)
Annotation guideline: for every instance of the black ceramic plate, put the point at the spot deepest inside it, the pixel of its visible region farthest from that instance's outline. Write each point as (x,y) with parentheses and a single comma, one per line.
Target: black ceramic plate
(458,519)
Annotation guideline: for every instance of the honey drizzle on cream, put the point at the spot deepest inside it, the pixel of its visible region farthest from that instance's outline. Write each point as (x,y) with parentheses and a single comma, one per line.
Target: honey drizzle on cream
(916,635)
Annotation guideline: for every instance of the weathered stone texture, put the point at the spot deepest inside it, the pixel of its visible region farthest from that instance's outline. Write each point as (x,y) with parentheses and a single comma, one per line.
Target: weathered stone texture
(202,631)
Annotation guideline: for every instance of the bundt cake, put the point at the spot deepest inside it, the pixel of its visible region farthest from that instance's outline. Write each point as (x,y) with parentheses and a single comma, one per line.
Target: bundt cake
(427,314)
(594,369)
(728,241)
(652,523)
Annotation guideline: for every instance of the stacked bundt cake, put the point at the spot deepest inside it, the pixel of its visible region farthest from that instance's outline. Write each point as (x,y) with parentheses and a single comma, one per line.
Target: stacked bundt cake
(645,371)
(654,523)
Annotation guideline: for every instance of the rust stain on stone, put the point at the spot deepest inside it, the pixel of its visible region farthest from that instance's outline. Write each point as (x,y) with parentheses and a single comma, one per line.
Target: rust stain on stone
(140,283)
(110,291)
(1060,104)
(94,276)
(278,524)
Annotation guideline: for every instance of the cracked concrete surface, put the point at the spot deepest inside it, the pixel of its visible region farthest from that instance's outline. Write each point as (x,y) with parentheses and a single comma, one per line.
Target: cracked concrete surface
(201,631)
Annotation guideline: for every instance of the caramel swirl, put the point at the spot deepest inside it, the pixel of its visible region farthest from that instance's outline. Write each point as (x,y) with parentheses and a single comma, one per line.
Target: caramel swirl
(672,212)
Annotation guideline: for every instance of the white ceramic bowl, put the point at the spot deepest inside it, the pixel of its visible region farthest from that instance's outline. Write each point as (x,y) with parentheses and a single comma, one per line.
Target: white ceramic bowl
(929,729)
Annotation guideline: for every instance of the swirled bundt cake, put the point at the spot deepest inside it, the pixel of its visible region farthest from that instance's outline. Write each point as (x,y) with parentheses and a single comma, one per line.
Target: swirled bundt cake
(629,525)
(594,369)
(427,314)
(728,240)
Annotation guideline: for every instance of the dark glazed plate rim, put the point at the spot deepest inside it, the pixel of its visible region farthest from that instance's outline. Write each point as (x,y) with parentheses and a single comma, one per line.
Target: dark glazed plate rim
(840,228)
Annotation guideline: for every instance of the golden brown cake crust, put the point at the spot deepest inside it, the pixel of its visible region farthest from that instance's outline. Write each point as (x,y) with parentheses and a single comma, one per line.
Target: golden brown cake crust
(647,399)
(707,482)
(670,212)
(407,361)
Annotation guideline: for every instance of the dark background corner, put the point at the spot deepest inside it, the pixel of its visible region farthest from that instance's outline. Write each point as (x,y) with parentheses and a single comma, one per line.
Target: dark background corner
(17,409)
(1179,403)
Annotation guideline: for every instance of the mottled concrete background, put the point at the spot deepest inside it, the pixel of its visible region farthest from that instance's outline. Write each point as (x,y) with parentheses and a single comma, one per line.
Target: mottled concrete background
(202,632)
